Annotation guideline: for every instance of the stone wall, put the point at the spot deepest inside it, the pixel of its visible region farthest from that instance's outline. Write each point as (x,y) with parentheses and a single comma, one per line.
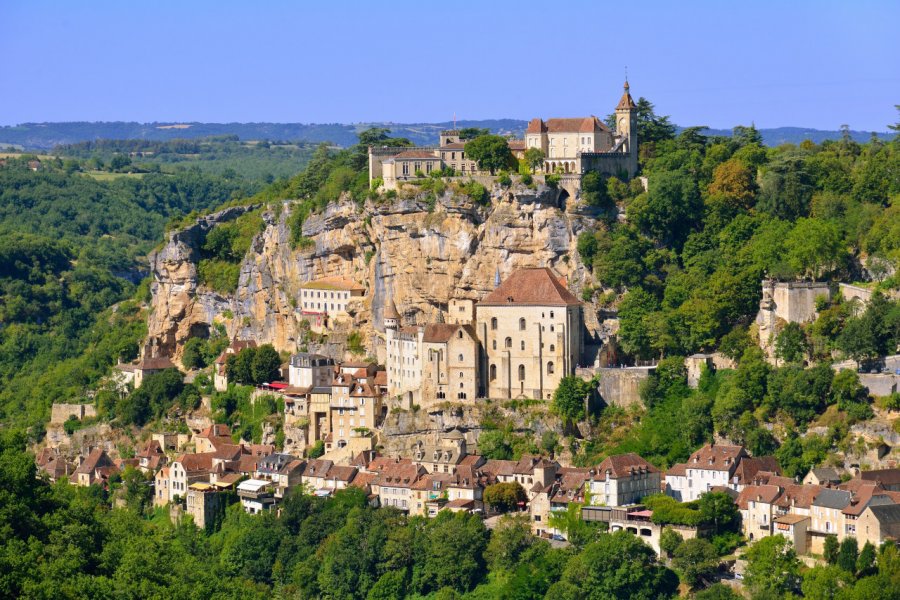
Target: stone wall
(621,387)
(60,413)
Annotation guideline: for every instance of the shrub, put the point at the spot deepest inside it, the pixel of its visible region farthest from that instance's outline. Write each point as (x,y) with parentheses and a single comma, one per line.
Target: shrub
(552,180)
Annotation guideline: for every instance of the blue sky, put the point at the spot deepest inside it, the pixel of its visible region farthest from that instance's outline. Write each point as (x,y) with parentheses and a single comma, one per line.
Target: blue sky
(808,64)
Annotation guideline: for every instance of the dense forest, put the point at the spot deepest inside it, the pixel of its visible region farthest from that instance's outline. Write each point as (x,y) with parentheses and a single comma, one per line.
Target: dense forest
(72,248)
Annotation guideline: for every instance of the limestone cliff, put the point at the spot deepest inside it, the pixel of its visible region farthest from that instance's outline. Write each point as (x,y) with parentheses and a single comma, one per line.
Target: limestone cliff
(419,254)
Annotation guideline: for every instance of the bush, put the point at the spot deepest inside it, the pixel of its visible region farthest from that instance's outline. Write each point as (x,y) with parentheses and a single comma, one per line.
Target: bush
(552,180)
(317,450)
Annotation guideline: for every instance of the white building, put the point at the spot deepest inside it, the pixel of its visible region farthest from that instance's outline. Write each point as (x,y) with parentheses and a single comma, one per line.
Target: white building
(330,296)
(708,467)
(310,370)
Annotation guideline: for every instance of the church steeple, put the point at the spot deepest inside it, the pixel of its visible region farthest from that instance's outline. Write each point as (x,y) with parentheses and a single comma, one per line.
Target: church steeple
(626,103)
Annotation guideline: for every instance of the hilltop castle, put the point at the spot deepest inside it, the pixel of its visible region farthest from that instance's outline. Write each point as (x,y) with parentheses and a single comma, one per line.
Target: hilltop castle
(570,146)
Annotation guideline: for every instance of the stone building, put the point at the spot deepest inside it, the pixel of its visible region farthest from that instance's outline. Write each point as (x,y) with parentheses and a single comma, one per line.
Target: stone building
(530,330)
(397,164)
(310,370)
(583,144)
(450,362)
(333,296)
(404,358)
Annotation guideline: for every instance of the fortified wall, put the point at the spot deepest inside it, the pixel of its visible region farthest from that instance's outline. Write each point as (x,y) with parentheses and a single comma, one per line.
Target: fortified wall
(60,413)
(787,302)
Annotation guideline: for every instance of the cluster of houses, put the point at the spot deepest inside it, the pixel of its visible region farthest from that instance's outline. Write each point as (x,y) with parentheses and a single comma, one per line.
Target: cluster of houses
(445,476)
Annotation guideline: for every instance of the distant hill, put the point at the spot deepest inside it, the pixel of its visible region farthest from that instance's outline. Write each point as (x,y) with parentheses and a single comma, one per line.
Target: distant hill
(44,136)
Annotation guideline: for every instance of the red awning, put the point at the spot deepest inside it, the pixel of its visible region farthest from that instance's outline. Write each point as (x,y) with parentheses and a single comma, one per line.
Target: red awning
(276,385)
(641,513)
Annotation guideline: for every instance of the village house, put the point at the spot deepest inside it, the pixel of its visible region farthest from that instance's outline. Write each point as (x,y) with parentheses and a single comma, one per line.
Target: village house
(622,479)
(710,466)
(205,503)
(530,330)
(822,476)
(212,437)
(53,464)
(443,458)
(97,467)
(151,457)
(310,370)
(256,495)
(330,299)
(878,523)
(394,482)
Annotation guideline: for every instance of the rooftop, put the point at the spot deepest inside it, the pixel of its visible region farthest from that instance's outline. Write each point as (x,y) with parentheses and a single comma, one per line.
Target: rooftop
(533,287)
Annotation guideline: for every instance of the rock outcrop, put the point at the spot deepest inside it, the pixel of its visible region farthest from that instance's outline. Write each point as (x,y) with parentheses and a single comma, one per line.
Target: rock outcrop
(417,253)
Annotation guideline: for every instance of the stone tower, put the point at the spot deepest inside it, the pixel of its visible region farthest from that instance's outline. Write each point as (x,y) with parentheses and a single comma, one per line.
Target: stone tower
(626,120)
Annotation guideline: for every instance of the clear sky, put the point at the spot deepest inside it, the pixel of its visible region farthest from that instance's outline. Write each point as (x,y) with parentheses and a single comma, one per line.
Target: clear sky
(716,63)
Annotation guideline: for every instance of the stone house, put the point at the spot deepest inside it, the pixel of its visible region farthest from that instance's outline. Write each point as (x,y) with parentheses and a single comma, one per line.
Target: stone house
(394,484)
(710,466)
(307,370)
(450,362)
(622,479)
(530,330)
(878,524)
(205,502)
(96,468)
(220,373)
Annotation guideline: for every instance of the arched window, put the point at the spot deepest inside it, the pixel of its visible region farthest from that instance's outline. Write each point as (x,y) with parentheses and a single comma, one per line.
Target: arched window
(493,372)
(494,323)
(508,343)
(521,372)
(551,314)
(521,324)
(550,368)
(460,383)
(551,328)
(494,344)
(522,344)
(552,347)
(459,334)
(460,376)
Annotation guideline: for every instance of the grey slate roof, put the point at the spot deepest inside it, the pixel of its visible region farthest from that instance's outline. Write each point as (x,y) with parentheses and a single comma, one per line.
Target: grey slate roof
(886,513)
(829,498)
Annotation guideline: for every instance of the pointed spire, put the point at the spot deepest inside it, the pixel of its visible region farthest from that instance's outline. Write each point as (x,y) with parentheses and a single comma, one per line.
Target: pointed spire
(626,103)
(390,311)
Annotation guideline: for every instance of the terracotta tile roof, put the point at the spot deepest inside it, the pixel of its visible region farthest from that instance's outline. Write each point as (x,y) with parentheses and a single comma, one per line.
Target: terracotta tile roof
(96,459)
(215,430)
(791,519)
(886,477)
(767,478)
(623,465)
(570,125)
(363,390)
(339,473)
(155,364)
(535,287)
(677,470)
(381,378)
(228,452)
(863,497)
(454,146)
(516,144)
(362,480)
(801,496)
(380,463)
(151,448)
(716,457)
(856,484)
(195,463)
(440,333)
(461,503)
(317,467)
(495,467)
(536,126)
(758,493)
(399,475)
(471,460)
(749,467)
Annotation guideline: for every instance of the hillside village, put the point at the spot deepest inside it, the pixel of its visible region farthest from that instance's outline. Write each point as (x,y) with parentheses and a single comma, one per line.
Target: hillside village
(367,346)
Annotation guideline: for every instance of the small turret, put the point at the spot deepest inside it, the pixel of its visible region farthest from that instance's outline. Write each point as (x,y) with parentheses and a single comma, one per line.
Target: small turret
(391,316)
(626,119)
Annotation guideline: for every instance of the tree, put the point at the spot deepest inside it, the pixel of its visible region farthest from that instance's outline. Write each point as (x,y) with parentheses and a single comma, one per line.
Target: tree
(391,585)
(491,152)
(773,568)
(734,181)
(825,583)
(670,209)
(697,560)
(570,396)
(848,554)
(504,496)
(814,248)
(850,395)
(832,547)
(652,128)
(718,591)
(453,550)
(790,343)
(718,509)
(266,364)
(617,565)
(470,133)
(669,540)
(549,442)
(194,354)
(534,158)
(510,539)
(865,563)
(594,192)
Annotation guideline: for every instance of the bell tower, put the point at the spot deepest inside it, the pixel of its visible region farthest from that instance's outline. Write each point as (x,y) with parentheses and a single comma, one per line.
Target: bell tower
(626,120)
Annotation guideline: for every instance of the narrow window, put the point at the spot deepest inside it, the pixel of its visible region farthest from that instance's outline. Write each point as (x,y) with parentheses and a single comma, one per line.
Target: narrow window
(521,324)
(521,372)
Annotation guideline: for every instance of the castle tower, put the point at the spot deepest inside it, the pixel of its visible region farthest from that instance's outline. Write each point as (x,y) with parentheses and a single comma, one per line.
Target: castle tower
(391,317)
(626,120)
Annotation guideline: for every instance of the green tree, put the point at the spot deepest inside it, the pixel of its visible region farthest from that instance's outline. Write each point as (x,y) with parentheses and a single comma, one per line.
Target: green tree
(617,565)
(790,344)
(453,552)
(570,397)
(510,539)
(697,560)
(534,158)
(194,353)
(504,496)
(594,192)
(865,563)
(491,152)
(814,248)
(718,591)
(719,510)
(669,540)
(832,546)
(266,364)
(669,210)
(773,568)
(848,554)
(825,583)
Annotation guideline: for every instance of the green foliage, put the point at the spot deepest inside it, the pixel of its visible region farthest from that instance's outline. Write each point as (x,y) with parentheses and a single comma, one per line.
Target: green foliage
(831,549)
(504,497)
(157,394)
(696,559)
(317,449)
(355,343)
(534,158)
(491,152)
(669,541)
(594,192)
(848,553)
(253,366)
(617,565)
(570,396)
(773,568)
(790,343)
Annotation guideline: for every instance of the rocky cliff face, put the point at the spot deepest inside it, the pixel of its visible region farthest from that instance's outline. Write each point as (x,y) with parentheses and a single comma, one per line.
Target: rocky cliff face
(418,255)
